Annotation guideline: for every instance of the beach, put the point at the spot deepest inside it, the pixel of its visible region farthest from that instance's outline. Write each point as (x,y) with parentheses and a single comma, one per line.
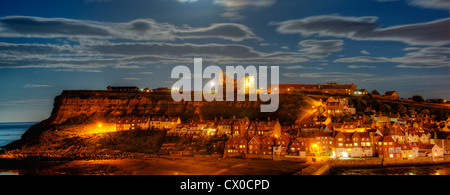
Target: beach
(153,166)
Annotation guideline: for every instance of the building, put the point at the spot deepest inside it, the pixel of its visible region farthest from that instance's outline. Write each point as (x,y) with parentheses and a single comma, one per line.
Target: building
(338,89)
(358,144)
(267,128)
(123,89)
(233,127)
(362,145)
(297,148)
(162,90)
(407,151)
(350,127)
(267,145)
(133,123)
(298,88)
(282,145)
(439,101)
(342,145)
(329,88)
(179,130)
(388,148)
(255,145)
(392,95)
(236,146)
(360,92)
(431,150)
(164,123)
(335,106)
(323,143)
(308,125)
(322,120)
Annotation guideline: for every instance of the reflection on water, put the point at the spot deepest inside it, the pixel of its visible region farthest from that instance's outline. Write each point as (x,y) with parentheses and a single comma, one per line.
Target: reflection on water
(9,172)
(29,171)
(411,170)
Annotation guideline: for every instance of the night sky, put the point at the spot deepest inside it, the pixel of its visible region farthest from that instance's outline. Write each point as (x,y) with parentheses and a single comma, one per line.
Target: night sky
(47,46)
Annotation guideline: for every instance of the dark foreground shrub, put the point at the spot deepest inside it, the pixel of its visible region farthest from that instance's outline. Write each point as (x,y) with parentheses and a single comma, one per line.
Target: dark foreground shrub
(140,141)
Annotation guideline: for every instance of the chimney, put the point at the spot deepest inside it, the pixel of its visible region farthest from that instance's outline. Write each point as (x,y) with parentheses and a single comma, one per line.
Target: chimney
(268,118)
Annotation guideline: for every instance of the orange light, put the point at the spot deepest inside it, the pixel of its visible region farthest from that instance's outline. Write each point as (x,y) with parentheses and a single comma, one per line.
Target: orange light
(99,125)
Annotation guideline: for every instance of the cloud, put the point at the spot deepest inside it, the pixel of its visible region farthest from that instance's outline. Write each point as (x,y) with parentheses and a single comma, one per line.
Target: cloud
(95,56)
(410,48)
(433,4)
(146,73)
(187,1)
(27,103)
(428,57)
(300,67)
(419,65)
(329,75)
(240,4)
(434,33)
(365,52)
(232,7)
(356,66)
(140,29)
(320,48)
(290,75)
(97,1)
(35,86)
(129,78)
(231,31)
(362,59)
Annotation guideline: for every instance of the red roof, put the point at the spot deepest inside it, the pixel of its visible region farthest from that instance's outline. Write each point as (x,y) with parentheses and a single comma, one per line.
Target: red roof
(389,93)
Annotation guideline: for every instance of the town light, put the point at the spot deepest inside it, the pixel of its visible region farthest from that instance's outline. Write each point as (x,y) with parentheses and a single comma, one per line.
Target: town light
(99,125)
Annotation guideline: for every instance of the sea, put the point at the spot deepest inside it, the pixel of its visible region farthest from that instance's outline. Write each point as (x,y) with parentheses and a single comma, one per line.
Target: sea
(10,132)
(402,170)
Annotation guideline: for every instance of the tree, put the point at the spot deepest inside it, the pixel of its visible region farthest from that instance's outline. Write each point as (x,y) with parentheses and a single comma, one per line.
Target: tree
(401,109)
(385,108)
(425,112)
(417,98)
(375,92)
(412,111)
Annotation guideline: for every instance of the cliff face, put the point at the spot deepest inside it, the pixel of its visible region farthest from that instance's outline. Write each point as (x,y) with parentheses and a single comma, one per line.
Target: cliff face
(87,107)
(77,107)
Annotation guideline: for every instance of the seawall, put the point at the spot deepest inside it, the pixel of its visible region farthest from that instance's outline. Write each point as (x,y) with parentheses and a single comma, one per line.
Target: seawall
(324,168)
